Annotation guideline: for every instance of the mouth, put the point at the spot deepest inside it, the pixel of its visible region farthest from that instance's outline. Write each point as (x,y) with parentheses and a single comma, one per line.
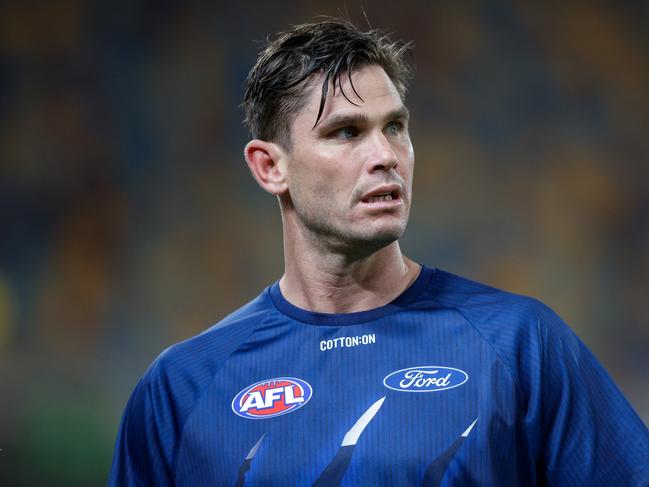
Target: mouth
(384,194)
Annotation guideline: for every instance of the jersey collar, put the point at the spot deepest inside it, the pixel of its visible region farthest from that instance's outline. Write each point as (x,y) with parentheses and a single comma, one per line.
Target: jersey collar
(336,319)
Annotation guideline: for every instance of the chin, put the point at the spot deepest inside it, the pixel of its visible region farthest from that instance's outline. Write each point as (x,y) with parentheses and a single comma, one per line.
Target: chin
(361,237)
(379,238)
(387,230)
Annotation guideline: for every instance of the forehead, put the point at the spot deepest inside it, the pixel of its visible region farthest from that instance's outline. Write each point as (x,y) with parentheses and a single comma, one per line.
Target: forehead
(372,94)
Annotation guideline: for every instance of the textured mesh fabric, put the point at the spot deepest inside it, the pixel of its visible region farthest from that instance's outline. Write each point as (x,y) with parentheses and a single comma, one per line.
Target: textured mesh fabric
(452,383)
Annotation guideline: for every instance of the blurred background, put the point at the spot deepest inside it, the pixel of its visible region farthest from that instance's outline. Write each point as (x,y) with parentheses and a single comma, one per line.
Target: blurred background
(128,219)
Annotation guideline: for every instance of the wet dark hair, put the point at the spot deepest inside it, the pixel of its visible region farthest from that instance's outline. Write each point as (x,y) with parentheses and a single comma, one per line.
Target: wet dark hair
(276,85)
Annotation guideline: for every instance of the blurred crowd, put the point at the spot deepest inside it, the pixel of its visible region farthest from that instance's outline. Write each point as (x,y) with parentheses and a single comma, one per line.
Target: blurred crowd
(128,220)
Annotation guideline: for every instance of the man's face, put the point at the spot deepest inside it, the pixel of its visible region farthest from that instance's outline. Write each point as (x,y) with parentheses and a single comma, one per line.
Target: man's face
(350,176)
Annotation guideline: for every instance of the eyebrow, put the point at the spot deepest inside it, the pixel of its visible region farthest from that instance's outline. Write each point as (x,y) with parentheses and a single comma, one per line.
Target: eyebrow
(344,120)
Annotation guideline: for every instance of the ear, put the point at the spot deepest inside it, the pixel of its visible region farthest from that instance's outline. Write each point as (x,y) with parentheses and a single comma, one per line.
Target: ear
(267,163)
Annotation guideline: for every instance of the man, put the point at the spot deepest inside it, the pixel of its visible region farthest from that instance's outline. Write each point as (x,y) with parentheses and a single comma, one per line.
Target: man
(359,366)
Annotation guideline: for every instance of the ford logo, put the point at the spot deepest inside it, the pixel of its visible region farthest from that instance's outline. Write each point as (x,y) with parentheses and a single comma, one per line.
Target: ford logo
(428,378)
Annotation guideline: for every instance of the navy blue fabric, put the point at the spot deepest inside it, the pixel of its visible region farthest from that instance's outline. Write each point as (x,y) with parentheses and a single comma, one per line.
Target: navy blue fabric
(547,413)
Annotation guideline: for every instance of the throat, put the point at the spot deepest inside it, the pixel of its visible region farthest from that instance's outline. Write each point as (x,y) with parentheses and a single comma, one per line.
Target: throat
(360,286)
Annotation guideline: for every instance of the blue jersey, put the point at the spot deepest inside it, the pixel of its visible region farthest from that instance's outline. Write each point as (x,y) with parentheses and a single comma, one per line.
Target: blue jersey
(452,383)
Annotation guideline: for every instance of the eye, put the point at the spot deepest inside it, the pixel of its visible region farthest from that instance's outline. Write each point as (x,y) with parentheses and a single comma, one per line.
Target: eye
(348,132)
(394,128)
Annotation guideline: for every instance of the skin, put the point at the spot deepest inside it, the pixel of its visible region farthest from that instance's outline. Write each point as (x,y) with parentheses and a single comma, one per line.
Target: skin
(341,251)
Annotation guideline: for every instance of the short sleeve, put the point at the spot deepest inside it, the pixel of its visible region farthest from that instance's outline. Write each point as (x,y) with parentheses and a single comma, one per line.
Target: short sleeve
(146,439)
(590,433)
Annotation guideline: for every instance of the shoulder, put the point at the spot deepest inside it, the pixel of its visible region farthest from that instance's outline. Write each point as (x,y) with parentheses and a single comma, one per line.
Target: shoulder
(153,421)
(478,299)
(204,353)
(519,329)
(178,376)
(574,415)
(495,310)
(486,306)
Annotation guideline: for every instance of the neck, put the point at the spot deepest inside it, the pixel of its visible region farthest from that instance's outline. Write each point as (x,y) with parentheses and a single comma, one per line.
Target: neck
(334,281)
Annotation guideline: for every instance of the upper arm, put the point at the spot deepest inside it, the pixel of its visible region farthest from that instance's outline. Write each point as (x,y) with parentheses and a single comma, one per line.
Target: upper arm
(589,432)
(144,444)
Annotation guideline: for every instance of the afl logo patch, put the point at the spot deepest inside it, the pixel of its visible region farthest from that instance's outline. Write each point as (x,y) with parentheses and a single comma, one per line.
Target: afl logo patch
(272,397)
(428,378)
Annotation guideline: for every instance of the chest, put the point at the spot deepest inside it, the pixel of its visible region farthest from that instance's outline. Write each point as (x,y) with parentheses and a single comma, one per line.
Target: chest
(391,403)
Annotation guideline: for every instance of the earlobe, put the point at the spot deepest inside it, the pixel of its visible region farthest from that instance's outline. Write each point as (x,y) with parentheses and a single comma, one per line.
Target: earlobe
(266,163)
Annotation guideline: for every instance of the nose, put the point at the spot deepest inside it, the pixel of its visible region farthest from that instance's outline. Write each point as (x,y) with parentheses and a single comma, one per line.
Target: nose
(381,154)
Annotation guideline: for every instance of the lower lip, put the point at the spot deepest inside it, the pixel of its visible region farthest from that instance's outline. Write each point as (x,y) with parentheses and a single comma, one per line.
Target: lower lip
(384,204)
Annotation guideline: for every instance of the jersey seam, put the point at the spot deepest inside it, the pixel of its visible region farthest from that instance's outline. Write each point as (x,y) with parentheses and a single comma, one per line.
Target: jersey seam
(135,474)
(508,368)
(205,388)
(513,377)
(131,473)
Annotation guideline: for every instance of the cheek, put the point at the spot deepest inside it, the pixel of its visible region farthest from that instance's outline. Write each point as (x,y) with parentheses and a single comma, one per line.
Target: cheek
(321,173)
(312,188)
(408,159)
